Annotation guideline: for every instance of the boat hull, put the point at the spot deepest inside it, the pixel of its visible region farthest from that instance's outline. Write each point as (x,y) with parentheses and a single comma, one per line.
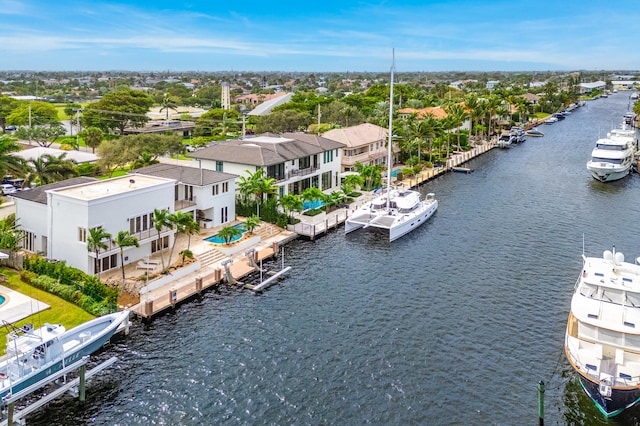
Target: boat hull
(605,174)
(89,337)
(620,399)
(397,224)
(411,224)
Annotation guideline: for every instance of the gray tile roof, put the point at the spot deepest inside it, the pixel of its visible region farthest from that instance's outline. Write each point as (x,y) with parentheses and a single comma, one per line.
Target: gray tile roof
(183,174)
(267,149)
(39,195)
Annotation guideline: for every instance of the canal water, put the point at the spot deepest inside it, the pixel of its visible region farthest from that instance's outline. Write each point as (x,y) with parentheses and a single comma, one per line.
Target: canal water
(455,323)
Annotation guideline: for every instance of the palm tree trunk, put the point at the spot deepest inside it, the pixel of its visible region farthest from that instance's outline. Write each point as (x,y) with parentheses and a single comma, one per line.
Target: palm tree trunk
(122,266)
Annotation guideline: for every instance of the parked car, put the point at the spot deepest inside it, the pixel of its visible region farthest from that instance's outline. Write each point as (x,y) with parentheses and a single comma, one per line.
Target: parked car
(7,189)
(11,128)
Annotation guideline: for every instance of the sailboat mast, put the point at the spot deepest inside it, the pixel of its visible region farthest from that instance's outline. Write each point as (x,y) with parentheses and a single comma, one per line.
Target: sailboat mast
(390,142)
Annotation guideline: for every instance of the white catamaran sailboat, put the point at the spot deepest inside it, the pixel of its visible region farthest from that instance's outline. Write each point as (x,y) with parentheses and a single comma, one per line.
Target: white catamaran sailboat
(396,209)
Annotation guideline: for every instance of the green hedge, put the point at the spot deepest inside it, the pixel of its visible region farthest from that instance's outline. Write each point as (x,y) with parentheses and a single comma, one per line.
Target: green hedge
(70,284)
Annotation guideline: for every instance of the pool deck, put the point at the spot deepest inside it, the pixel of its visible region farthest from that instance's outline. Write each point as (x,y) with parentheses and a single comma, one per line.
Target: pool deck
(18,306)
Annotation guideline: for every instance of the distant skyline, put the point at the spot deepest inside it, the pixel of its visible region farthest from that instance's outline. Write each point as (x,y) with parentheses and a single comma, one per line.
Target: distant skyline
(331,36)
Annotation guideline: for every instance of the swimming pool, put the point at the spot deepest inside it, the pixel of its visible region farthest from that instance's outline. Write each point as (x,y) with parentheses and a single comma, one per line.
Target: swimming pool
(394,172)
(2,299)
(216,239)
(315,204)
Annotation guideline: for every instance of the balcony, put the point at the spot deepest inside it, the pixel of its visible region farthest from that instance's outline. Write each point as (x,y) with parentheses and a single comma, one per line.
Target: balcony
(184,204)
(302,172)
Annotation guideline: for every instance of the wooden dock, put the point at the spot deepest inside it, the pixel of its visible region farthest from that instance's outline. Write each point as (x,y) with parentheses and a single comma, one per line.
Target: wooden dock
(193,285)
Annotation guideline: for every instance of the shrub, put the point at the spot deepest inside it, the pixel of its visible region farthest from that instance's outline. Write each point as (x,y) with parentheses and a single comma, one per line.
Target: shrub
(65,281)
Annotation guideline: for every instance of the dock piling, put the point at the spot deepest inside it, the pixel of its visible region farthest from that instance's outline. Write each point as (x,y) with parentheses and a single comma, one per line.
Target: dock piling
(541,403)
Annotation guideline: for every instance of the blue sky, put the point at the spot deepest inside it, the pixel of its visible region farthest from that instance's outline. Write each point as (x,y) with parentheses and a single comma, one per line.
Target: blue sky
(247,35)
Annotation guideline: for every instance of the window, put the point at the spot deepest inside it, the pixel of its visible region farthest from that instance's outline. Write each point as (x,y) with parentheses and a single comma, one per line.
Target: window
(328,156)
(276,171)
(304,163)
(219,166)
(108,262)
(215,189)
(159,244)
(225,186)
(224,215)
(140,223)
(82,234)
(326,180)
(28,241)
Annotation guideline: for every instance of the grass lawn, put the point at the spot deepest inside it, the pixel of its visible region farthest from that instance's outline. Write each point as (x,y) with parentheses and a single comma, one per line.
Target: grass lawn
(61,311)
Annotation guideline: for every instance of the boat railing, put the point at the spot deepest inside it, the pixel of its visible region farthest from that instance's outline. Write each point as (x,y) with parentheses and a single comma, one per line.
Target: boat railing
(626,380)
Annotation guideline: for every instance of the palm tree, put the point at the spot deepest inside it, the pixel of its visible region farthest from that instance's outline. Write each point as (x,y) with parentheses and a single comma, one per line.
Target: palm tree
(458,115)
(168,103)
(264,186)
(144,159)
(191,227)
(179,220)
(471,103)
(160,221)
(371,176)
(95,243)
(123,240)
(10,164)
(350,182)
(50,168)
(492,104)
(291,202)
(93,137)
(246,188)
(252,223)
(313,195)
(228,233)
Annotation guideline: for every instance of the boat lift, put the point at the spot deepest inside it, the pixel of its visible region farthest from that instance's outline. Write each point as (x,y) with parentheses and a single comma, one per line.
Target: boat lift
(269,281)
(76,387)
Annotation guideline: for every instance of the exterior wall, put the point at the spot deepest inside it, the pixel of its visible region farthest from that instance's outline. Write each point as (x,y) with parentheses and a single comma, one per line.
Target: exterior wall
(211,205)
(33,219)
(290,171)
(112,213)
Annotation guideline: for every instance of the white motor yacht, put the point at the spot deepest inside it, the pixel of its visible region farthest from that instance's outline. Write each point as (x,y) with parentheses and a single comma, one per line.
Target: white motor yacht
(613,156)
(602,340)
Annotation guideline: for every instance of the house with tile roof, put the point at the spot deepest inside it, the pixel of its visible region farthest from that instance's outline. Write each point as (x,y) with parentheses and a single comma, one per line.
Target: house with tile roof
(365,143)
(296,161)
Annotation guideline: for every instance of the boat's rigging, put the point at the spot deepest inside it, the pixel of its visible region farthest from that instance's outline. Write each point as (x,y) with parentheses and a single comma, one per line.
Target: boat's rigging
(390,132)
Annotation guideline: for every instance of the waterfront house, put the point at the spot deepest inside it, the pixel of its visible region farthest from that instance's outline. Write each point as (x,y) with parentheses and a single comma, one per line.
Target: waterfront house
(365,143)
(586,88)
(296,161)
(56,218)
(207,194)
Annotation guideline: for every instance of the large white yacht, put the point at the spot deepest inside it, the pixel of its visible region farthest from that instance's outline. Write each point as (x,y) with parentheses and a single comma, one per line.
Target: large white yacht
(399,210)
(602,340)
(613,156)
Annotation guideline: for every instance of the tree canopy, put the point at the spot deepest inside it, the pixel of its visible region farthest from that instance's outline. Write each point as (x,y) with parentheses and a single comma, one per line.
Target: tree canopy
(118,110)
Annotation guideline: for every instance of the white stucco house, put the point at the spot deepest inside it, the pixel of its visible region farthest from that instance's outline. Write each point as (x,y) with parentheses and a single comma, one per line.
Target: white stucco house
(296,161)
(56,218)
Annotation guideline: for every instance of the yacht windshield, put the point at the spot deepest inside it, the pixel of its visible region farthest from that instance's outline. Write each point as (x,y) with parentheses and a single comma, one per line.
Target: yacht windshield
(607,147)
(607,160)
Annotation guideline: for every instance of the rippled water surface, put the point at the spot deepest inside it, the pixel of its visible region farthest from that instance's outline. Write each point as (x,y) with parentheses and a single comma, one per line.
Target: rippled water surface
(454,323)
